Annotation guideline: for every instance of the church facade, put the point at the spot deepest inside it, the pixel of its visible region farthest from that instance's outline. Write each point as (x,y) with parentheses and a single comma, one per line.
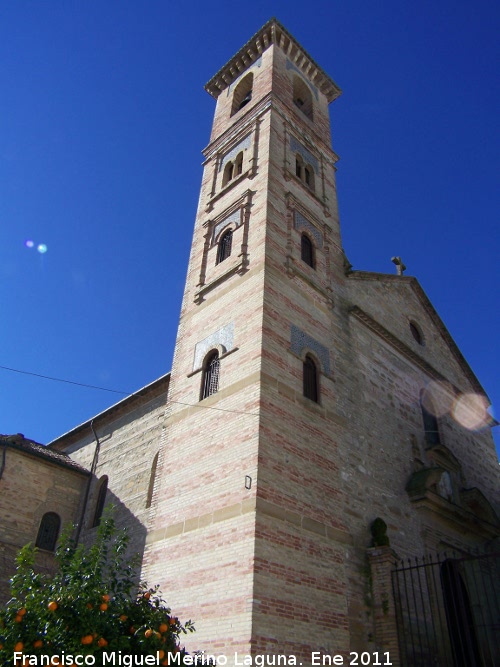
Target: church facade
(319,424)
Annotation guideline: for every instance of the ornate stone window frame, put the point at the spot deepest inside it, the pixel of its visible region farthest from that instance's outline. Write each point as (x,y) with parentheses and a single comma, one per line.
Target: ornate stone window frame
(302,345)
(299,220)
(235,216)
(296,143)
(221,340)
(245,140)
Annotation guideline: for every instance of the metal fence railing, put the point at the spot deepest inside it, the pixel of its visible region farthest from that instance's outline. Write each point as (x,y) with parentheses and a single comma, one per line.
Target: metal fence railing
(448,611)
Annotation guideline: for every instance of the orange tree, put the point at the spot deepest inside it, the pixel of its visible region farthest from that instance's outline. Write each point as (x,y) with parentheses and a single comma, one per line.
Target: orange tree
(89,607)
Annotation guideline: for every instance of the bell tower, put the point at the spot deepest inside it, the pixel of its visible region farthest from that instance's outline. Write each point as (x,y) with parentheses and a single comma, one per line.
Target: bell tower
(246,533)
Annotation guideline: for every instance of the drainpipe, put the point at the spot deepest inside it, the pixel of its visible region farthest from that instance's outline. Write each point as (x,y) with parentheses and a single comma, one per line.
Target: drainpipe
(89,483)
(4,455)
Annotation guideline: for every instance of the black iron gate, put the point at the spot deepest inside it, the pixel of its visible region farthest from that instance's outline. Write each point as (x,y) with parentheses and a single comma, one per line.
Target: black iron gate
(448,611)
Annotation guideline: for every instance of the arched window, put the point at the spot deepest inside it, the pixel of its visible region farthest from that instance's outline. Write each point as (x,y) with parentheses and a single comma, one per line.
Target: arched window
(299,166)
(225,244)
(304,172)
(210,380)
(48,531)
(152,476)
(228,173)
(238,164)
(307,250)
(302,97)
(242,93)
(416,333)
(309,177)
(431,427)
(310,379)
(101,499)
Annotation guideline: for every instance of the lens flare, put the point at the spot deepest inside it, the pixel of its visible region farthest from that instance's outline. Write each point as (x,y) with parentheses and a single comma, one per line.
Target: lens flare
(29,243)
(438,398)
(42,248)
(471,411)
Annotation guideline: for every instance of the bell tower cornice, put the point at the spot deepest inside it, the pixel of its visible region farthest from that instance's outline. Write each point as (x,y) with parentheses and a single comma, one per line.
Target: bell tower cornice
(272,33)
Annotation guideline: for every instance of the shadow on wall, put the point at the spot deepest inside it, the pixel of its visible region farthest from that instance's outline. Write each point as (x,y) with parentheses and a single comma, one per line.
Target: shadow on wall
(101,498)
(45,560)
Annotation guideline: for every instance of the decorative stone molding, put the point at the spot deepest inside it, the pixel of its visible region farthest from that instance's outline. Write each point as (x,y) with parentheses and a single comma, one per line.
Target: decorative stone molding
(257,65)
(298,218)
(309,152)
(233,152)
(246,141)
(272,33)
(222,339)
(307,156)
(431,490)
(301,222)
(235,216)
(299,340)
(292,66)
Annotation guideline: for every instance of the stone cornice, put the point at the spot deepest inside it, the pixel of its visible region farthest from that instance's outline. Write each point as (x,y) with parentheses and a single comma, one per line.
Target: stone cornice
(259,506)
(461,519)
(272,33)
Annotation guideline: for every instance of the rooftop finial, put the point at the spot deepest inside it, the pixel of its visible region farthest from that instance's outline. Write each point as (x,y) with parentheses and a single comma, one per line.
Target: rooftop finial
(401,268)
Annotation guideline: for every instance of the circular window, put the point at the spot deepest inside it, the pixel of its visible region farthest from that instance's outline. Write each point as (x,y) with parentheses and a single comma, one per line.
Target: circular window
(416,333)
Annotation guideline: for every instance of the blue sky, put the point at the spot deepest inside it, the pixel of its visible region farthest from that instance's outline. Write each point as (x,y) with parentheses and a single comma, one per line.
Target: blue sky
(103,117)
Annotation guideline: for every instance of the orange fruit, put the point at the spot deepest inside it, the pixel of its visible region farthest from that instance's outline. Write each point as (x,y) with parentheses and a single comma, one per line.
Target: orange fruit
(18,647)
(173,621)
(165,662)
(103,606)
(161,654)
(147,595)
(18,619)
(105,598)
(131,630)
(87,639)
(148,633)
(21,612)
(52,606)
(123,618)
(102,642)
(90,605)
(163,627)
(38,643)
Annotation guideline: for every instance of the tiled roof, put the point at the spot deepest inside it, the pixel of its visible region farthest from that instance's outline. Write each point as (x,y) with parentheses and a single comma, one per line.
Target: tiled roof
(22,444)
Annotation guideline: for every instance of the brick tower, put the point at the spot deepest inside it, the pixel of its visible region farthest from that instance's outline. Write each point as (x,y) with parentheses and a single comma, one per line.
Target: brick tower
(246,532)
